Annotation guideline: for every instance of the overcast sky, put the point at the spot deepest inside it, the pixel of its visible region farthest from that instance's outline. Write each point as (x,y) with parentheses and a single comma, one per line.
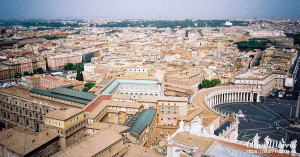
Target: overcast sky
(146,9)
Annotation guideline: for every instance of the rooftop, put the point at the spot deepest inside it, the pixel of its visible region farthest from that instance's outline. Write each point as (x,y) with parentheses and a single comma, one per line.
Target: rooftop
(144,118)
(114,84)
(63,114)
(91,145)
(66,93)
(97,102)
(138,151)
(23,141)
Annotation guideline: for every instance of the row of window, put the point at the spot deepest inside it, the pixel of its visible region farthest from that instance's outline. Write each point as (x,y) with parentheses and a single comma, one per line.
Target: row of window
(20,111)
(168,110)
(151,94)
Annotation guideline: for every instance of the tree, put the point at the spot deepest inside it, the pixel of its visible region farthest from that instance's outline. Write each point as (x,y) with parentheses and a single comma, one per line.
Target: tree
(79,66)
(85,89)
(69,66)
(208,83)
(17,75)
(26,73)
(40,70)
(89,85)
(79,75)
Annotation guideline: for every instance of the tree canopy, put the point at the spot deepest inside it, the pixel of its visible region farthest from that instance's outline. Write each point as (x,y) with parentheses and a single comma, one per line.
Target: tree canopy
(88,86)
(26,73)
(251,44)
(79,67)
(69,66)
(40,70)
(295,36)
(208,83)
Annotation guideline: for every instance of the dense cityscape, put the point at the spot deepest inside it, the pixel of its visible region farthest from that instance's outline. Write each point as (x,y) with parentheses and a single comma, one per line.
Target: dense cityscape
(149,87)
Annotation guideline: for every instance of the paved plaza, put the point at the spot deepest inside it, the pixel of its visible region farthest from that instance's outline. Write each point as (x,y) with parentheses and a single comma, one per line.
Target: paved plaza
(269,117)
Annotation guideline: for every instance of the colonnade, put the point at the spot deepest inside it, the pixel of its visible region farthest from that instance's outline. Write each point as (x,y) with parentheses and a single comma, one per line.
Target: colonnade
(231,96)
(226,94)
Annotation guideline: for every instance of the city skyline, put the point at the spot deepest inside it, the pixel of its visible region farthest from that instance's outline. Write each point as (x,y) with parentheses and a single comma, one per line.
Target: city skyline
(143,9)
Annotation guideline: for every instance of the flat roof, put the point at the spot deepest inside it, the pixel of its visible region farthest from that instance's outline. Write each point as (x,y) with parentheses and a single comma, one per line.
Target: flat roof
(115,83)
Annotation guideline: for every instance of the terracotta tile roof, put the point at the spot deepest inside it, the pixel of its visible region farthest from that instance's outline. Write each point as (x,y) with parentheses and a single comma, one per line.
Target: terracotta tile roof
(103,126)
(17,91)
(23,141)
(97,102)
(63,114)
(91,145)
(140,151)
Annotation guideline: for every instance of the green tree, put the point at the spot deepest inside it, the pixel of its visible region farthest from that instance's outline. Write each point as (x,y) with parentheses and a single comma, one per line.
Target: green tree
(79,75)
(85,89)
(26,73)
(40,70)
(79,66)
(89,85)
(208,83)
(69,66)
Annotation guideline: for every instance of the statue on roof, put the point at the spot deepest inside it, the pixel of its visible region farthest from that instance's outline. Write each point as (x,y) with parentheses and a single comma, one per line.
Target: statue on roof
(256,140)
(293,146)
(267,140)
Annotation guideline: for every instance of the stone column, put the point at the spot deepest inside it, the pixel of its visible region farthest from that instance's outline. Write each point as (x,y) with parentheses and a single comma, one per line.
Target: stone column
(222,98)
(258,97)
(214,100)
(235,97)
(227,97)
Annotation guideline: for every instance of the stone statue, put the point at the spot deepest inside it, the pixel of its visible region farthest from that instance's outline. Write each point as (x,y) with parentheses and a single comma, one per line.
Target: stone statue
(234,135)
(204,132)
(256,141)
(267,141)
(280,147)
(196,127)
(293,146)
(168,137)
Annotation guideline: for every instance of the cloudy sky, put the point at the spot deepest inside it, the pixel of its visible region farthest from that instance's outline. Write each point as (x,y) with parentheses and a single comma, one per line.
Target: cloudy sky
(124,9)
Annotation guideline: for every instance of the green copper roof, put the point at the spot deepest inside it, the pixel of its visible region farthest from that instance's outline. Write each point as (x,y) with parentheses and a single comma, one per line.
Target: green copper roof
(67,94)
(73,93)
(144,118)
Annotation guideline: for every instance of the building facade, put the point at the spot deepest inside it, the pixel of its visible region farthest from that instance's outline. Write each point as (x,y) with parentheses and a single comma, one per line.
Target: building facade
(17,107)
(68,124)
(58,61)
